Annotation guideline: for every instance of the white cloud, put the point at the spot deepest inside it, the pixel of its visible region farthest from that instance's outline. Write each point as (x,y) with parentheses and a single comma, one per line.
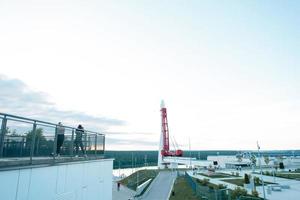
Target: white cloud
(227,77)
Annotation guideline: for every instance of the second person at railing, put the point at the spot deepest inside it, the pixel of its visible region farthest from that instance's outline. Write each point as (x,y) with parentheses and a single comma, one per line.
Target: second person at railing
(78,139)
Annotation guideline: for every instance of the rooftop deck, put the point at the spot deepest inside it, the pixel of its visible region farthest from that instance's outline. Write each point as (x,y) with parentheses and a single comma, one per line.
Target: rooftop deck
(24,162)
(26,142)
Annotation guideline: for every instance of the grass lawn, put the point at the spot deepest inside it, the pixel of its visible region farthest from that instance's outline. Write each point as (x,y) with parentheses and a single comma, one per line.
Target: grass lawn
(217,175)
(240,182)
(183,190)
(138,178)
(289,175)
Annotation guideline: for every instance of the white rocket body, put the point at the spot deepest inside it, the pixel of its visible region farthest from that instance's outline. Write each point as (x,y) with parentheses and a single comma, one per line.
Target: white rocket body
(160,148)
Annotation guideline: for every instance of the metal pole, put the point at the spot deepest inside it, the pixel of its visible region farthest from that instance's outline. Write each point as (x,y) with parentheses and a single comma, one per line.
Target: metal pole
(32,141)
(37,146)
(103,144)
(89,143)
(2,135)
(190,152)
(119,169)
(137,179)
(22,146)
(96,145)
(262,180)
(54,143)
(273,170)
(72,144)
(132,162)
(216,195)
(85,143)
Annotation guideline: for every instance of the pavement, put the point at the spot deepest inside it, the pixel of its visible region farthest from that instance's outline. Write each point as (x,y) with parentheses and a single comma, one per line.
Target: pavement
(161,186)
(293,193)
(123,194)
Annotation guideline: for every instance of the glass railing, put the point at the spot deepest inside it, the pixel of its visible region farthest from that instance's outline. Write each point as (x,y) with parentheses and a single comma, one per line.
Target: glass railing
(30,139)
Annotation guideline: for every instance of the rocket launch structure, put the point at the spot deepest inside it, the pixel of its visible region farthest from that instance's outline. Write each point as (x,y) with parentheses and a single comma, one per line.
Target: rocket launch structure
(164,145)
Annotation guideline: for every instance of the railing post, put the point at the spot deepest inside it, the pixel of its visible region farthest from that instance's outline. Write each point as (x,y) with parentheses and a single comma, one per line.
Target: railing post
(216,195)
(32,141)
(72,144)
(103,144)
(37,147)
(55,143)
(89,143)
(96,145)
(85,143)
(22,146)
(2,135)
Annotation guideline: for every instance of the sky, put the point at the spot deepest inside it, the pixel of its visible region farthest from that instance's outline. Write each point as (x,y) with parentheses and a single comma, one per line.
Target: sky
(228,71)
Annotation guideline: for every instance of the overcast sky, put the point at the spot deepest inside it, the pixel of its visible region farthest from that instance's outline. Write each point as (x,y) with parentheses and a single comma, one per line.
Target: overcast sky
(228,70)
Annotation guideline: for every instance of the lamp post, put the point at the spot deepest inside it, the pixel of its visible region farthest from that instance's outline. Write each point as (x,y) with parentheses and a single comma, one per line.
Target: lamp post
(273,170)
(259,162)
(190,153)
(119,169)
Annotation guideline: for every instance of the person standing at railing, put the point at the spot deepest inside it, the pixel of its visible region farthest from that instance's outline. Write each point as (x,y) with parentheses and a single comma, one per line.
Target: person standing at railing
(78,139)
(60,131)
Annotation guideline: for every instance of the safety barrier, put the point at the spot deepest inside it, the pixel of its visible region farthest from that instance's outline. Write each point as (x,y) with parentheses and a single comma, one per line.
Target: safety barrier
(30,138)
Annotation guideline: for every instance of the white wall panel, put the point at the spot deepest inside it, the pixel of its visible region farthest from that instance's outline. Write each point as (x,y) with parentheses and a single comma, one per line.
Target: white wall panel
(9,180)
(91,180)
(23,186)
(43,183)
(61,179)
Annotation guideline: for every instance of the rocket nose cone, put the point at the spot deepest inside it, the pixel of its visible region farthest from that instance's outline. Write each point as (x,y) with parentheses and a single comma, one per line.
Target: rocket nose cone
(162,104)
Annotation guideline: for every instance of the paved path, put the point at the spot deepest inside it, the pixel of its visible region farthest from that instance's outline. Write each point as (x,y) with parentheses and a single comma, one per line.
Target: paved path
(161,186)
(123,194)
(291,194)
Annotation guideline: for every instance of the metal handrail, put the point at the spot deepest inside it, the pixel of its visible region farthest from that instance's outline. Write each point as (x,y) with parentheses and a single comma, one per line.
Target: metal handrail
(91,135)
(40,121)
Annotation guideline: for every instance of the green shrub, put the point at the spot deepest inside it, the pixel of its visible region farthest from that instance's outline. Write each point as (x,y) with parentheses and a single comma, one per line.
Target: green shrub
(205,182)
(237,192)
(211,186)
(256,180)
(246,179)
(221,186)
(255,193)
(281,165)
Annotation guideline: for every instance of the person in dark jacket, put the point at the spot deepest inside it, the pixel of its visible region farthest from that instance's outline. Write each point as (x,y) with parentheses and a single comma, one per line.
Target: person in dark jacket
(78,139)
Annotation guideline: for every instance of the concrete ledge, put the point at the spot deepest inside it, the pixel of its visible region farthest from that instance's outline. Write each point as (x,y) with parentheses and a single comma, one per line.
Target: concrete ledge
(24,162)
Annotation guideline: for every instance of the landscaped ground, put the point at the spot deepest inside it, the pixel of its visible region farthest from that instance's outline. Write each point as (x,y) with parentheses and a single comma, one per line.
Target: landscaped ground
(240,182)
(182,190)
(288,175)
(217,175)
(138,178)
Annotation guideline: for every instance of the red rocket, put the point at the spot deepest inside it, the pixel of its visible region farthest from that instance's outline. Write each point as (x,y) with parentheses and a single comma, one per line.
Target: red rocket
(165,134)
